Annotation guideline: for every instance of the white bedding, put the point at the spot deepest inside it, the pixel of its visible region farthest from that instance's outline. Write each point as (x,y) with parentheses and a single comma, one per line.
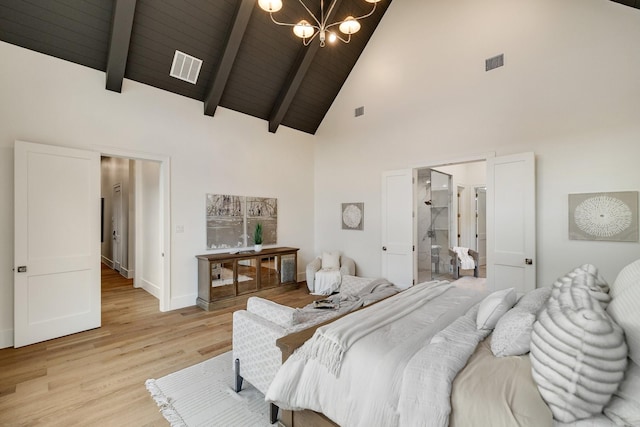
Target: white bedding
(370,384)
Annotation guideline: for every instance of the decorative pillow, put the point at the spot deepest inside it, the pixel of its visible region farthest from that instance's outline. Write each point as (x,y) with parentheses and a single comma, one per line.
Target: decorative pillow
(494,306)
(624,310)
(578,354)
(628,277)
(330,260)
(624,307)
(351,285)
(534,300)
(624,407)
(587,275)
(512,334)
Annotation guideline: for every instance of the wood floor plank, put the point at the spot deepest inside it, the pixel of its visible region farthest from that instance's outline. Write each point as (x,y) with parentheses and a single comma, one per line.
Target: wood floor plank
(96,378)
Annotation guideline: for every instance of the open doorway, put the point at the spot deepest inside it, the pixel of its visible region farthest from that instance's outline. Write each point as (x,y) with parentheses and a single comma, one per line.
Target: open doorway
(133,222)
(451,212)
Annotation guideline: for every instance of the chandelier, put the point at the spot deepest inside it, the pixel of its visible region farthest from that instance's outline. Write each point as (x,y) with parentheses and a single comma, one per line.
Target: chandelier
(307,31)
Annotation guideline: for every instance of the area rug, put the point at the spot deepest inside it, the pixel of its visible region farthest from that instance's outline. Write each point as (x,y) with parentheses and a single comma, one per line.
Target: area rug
(202,395)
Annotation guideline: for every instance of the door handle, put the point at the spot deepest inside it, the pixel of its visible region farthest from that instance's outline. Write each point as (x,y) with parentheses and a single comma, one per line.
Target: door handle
(384,248)
(528,261)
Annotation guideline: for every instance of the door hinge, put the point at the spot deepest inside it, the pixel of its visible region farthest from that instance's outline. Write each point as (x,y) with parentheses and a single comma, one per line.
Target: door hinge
(413,248)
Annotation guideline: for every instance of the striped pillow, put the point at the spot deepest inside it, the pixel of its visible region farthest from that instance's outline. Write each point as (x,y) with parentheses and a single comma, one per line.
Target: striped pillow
(578,353)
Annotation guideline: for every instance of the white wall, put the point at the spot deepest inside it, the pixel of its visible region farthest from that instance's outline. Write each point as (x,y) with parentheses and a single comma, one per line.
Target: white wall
(50,101)
(151,236)
(569,91)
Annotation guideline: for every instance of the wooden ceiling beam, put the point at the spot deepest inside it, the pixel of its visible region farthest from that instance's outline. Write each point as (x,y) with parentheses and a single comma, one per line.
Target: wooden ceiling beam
(292,84)
(121,26)
(232,46)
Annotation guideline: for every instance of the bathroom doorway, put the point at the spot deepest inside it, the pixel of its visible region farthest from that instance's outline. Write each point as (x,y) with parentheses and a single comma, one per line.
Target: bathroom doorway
(434,224)
(450,211)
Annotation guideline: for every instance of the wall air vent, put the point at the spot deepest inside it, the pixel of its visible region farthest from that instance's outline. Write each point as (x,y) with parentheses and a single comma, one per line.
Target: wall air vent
(360,111)
(185,67)
(495,62)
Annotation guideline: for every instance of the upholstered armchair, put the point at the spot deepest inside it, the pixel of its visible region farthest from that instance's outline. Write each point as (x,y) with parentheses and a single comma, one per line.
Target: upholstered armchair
(457,264)
(325,272)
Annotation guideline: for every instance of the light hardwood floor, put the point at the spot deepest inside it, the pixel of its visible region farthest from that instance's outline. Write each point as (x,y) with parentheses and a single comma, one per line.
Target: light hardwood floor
(96,378)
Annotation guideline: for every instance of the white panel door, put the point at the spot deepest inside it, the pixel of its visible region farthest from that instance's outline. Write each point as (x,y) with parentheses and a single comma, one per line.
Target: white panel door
(57,242)
(397,227)
(511,228)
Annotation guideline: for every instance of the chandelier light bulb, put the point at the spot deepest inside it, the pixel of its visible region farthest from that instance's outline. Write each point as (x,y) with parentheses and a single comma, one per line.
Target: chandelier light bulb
(303,29)
(270,5)
(319,25)
(349,26)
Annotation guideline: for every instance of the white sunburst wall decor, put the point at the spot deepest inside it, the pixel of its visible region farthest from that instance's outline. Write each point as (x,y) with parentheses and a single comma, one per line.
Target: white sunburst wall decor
(353,216)
(604,216)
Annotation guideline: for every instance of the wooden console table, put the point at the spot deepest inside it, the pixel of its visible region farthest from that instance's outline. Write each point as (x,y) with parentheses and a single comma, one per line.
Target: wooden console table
(222,278)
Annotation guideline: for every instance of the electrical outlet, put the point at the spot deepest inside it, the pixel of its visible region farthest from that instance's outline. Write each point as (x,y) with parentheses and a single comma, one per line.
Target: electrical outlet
(179,228)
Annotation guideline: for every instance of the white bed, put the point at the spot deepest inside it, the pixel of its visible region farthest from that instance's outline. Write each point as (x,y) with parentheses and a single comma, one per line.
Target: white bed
(402,372)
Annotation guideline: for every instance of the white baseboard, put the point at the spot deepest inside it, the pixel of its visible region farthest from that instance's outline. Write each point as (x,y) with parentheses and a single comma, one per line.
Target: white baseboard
(183,301)
(127,274)
(6,338)
(106,261)
(152,288)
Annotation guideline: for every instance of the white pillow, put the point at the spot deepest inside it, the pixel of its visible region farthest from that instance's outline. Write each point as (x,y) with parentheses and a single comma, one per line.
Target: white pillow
(534,300)
(512,334)
(628,277)
(330,260)
(624,310)
(624,407)
(493,307)
(624,306)
(351,285)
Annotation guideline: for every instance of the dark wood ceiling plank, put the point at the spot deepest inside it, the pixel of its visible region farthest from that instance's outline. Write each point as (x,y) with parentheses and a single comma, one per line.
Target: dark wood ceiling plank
(121,27)
(221,76)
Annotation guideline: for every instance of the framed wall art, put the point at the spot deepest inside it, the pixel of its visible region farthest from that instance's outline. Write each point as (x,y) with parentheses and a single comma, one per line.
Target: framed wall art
(611,216)
(353,216)
(225,221)
(265,211)
(231,220)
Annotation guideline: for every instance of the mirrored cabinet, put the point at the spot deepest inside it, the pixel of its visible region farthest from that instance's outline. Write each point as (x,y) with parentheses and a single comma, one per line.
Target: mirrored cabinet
(223,277)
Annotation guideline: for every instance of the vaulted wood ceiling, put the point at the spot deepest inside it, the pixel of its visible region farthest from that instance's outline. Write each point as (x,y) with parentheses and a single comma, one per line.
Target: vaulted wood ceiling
(249,64)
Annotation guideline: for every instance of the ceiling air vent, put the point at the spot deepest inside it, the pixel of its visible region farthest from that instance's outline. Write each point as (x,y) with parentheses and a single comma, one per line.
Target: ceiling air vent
(185,67)
(360,111)
(495,62)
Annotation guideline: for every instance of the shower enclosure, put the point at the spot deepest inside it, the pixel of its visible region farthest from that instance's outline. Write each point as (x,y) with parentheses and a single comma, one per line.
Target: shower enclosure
(435,192)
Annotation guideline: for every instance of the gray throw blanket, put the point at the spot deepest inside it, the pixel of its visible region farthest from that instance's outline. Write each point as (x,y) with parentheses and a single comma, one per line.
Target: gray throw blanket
(375,291)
